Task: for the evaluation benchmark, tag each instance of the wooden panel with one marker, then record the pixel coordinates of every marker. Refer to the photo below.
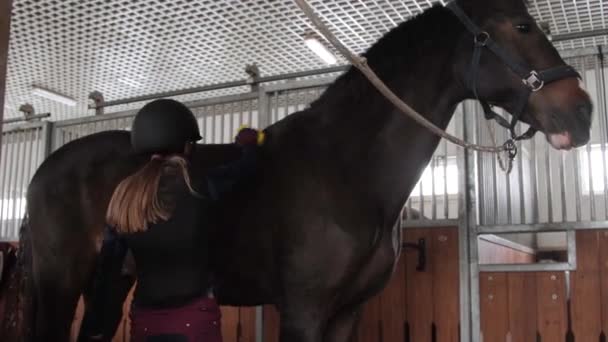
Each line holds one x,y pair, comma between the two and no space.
419,286
585,294
230,319
369,324
271,324
247,325
603,270
494,253
392,301
493,301
522,314
551,305
445,284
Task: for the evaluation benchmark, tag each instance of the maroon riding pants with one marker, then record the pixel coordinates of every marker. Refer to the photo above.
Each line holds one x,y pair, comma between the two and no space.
197,321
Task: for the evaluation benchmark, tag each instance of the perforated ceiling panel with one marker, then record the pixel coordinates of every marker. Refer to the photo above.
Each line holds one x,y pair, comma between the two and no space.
130,48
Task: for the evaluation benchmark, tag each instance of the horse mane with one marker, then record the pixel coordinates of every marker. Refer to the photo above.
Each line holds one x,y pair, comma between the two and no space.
420,38
405,45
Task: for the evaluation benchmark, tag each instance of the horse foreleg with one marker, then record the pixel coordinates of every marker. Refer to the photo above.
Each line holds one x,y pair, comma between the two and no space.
341,327
105,298
301,323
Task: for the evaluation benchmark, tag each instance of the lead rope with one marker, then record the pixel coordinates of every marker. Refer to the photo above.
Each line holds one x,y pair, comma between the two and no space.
361,64
510,155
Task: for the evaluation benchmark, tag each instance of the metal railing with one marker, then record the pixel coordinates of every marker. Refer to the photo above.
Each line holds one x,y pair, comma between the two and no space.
545,185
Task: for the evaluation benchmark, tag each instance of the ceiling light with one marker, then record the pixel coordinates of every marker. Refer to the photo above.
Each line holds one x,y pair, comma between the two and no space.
318,48
53,96
130,82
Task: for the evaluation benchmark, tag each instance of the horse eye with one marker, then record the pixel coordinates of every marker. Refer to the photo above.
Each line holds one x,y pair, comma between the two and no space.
523,28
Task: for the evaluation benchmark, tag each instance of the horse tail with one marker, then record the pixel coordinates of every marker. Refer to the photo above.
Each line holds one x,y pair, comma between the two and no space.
19,292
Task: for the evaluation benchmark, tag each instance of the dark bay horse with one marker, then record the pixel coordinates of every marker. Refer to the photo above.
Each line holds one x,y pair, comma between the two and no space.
315,231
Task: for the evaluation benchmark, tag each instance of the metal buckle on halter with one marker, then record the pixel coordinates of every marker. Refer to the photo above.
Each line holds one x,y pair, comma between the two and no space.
533,82
510,148
482,38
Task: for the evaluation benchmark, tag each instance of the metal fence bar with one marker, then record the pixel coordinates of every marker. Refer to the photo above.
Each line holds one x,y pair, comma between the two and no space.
11,180
446,202
494,187
433,202
548,183
535,183
562,179
6,144
34,138
467,241
577,189
508,194
520,183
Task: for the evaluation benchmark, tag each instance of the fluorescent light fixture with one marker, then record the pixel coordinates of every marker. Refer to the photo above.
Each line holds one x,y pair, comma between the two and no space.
130,82
318,48
53,96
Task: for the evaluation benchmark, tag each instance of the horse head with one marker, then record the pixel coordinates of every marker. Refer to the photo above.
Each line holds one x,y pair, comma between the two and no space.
507,60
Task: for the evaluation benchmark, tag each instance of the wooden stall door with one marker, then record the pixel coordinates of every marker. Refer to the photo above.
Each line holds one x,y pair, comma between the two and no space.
585,288
537,305
493,303
415,305
522,306
603,270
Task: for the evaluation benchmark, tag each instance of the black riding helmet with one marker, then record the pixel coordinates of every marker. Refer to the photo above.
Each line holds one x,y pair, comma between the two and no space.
163,126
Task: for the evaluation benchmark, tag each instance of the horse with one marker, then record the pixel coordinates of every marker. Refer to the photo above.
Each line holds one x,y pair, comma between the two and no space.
314,232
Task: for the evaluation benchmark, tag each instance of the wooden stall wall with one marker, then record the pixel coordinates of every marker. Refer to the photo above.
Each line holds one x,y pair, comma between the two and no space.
415,306
537,306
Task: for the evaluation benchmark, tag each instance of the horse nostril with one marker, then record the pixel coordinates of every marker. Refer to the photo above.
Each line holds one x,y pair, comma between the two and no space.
584,111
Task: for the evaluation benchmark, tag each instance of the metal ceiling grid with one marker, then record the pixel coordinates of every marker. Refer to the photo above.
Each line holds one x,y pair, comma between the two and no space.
130,48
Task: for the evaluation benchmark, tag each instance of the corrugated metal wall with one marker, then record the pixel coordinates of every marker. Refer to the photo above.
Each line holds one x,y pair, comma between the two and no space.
23,149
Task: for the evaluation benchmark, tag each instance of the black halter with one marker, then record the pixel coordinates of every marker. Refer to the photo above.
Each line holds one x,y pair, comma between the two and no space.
532,80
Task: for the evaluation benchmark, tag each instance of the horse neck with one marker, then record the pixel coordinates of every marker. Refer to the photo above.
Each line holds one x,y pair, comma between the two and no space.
382,153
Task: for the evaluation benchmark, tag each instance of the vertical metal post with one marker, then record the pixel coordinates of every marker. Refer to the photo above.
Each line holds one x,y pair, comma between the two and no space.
577,186
446,201
496,217
9,181
481,180
467,238
48,140
549,183
433,202
534,185
4,191
259,323
16,181
520,182
264,119
562,179
222,119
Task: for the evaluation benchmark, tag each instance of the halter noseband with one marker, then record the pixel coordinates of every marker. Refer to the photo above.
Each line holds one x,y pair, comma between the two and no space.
532,80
